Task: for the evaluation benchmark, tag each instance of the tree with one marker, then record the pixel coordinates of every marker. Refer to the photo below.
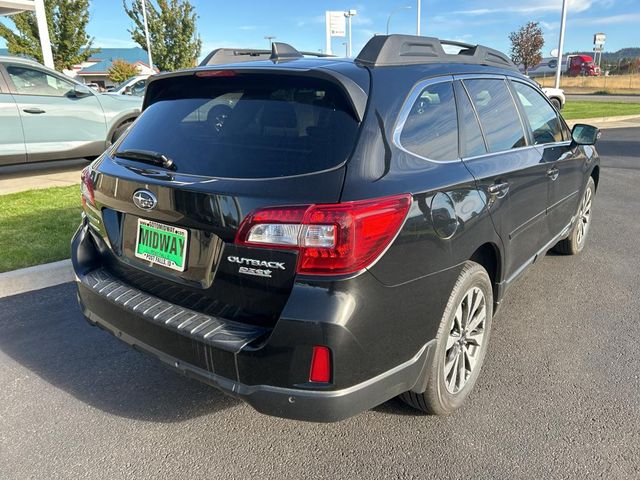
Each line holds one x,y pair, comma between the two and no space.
67,21
526,45
172,31
121,70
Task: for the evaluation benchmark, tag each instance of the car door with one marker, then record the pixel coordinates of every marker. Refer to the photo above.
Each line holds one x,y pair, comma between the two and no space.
496,151
57,123
564,162
12,149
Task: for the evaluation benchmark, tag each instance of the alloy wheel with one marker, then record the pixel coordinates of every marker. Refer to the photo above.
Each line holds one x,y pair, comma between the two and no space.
584,216
465,340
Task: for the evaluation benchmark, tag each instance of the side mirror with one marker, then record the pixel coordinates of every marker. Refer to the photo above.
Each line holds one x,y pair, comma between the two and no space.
585,134
81,91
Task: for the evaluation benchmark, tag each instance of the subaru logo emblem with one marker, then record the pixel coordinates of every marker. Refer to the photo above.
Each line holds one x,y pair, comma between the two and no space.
144,199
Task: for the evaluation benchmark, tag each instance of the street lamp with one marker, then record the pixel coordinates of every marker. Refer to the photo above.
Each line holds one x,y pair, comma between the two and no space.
405,7
270,39
418,12
563,22
349,14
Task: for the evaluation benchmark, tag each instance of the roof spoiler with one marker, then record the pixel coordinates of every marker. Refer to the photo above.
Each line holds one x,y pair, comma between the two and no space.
279,52
396,50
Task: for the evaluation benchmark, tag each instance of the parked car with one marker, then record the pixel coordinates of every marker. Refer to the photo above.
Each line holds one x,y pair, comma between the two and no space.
556,97
132,86
343,235
45,115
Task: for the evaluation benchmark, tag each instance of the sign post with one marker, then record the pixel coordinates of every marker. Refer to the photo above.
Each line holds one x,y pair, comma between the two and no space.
598,46
335,26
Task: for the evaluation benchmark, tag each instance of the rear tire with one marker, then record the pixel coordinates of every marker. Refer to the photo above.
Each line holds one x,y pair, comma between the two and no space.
461,344
120,130
574,243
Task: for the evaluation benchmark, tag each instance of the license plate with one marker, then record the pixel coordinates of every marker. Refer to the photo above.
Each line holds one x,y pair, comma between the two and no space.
162,244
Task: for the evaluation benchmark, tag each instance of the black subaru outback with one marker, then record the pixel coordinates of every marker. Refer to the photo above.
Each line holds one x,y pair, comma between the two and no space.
316,236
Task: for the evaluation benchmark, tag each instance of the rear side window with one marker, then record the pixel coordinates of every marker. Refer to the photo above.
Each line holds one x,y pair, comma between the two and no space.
542,117
498,114
248,126
431,128
471,141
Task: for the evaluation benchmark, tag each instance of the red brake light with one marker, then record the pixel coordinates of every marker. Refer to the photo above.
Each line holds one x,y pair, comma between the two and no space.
331,239
320,365
216,73
86,187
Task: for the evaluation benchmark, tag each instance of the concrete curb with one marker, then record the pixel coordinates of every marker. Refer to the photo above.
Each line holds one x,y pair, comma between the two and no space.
596,120
35,278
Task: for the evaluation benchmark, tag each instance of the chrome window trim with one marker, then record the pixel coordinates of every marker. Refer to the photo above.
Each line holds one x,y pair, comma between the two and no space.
406,109
419,86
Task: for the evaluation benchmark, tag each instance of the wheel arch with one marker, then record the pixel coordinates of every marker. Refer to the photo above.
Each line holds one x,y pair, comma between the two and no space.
129,117
489,256
595,174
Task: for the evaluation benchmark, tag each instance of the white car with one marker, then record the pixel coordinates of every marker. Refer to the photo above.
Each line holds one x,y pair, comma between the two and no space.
131,86
556,96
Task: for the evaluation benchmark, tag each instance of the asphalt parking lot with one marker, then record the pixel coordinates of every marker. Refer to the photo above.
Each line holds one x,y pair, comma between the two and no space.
559,395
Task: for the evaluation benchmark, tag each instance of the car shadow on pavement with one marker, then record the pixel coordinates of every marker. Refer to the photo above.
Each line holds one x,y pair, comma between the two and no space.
45,332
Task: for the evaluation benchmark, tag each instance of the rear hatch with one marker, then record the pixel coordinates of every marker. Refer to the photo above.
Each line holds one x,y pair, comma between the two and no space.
165,204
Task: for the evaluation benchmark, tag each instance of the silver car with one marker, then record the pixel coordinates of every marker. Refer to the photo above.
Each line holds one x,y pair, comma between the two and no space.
45,115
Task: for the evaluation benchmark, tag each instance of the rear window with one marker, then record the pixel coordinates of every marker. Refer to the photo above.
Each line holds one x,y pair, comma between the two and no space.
248,126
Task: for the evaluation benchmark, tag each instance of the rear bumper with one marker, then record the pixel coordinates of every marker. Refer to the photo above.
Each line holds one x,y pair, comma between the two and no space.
257,365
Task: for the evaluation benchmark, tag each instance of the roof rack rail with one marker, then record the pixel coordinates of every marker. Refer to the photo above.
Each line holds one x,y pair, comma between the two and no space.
279,52
395,50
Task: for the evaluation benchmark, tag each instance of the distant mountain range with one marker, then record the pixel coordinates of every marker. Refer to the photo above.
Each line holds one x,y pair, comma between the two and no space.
613,57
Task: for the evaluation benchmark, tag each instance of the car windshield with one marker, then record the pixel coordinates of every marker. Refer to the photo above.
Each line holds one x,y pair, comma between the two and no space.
248,126
122,84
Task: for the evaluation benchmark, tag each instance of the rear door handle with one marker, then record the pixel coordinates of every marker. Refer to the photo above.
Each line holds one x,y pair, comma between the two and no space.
35,110
498,190
553,173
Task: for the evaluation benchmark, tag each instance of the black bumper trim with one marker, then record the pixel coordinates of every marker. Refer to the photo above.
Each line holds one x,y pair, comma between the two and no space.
297,404
222,334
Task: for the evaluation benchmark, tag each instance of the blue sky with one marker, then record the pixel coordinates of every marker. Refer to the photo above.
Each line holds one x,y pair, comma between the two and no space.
244,23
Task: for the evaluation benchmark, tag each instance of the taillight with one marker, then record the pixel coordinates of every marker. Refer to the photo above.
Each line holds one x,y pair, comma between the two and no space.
331,239
86,187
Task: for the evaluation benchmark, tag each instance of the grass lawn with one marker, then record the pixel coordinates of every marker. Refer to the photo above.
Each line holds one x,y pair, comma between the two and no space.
573,110
36,226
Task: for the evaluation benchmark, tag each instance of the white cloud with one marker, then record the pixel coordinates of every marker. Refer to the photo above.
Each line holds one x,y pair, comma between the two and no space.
542,6
247,27
610,20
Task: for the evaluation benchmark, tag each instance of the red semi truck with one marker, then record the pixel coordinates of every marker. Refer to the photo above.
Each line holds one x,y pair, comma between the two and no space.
574,65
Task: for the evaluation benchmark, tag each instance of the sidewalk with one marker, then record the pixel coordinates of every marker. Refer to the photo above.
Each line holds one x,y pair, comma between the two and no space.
17,178
623,121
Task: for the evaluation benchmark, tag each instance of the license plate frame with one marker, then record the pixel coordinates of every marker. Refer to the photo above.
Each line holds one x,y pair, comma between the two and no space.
159,256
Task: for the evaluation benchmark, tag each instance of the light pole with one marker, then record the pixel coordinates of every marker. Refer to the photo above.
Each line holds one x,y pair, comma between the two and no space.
270,39
146,31
418,18
563,23
405,7
349,14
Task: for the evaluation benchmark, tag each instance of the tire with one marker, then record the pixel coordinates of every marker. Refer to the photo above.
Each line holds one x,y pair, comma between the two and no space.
556,103
445,393
574,243
120,130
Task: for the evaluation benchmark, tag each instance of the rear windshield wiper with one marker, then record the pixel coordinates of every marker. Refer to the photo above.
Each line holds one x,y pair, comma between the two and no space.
147,156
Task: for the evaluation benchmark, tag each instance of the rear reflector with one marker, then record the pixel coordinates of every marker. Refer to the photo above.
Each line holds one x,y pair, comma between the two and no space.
331,239
320,365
